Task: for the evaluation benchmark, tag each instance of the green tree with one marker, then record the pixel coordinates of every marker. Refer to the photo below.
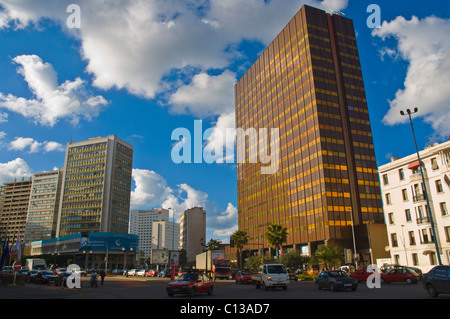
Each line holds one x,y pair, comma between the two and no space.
254,262
213,244
327,255
239,238
276,235
294,260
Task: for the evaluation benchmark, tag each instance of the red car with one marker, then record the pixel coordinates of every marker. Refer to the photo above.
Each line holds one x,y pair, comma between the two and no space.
400,275
361,275
243,277
151,273
190,284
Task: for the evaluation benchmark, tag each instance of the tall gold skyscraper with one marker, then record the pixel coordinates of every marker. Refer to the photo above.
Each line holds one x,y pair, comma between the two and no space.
308,83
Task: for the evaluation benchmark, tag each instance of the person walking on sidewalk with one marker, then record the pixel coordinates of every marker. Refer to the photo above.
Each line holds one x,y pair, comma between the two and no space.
102,276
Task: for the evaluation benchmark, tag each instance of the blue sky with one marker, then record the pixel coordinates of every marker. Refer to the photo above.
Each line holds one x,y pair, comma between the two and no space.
141,69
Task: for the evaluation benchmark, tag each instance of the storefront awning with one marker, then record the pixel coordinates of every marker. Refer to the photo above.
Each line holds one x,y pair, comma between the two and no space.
414,165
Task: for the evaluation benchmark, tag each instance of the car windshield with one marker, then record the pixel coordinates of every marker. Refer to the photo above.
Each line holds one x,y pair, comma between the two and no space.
244,273
223,263
337,274
276,269
188,277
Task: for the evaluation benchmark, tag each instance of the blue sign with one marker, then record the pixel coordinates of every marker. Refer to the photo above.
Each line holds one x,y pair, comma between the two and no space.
116,242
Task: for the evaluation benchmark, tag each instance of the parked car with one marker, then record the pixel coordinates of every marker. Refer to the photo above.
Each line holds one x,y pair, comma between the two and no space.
132,272
31,275
8,269
243,277
400,275
437,281
190,284
46,277
140,273
151,273
335,280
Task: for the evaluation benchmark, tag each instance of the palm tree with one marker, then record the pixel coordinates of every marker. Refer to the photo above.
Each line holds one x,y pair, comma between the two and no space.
239,238
276,235
327,255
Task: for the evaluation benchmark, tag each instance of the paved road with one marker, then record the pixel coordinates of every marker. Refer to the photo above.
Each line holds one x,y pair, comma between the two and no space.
152,288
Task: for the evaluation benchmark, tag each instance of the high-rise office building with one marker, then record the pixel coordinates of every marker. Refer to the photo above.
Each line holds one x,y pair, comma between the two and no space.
96,186
43,206
141,224
14,199
193,231
308,84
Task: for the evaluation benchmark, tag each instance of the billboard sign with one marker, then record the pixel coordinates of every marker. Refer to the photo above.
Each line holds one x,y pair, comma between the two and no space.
109,241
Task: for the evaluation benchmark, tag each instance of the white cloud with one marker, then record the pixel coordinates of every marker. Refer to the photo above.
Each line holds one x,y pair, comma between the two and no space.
15,169
425,45
134,45
151,191
52,102
3,117
22,143
221,142
206,95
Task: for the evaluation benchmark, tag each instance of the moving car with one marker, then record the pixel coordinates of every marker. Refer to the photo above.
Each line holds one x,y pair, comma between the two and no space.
362,274
273,275
437,281
335,280
243,277
190,284
400,275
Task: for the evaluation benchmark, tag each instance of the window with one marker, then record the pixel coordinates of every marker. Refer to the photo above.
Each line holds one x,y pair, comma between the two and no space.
415,259
405,195
388,199
443,206
408,215
434,164
439,188
447,233
385,179
391,218
401,174
412,239
394,240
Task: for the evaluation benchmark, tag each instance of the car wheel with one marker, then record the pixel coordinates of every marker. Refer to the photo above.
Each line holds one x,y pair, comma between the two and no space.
210,291
408,281
265,287
432,291
318,286
192,292
332,287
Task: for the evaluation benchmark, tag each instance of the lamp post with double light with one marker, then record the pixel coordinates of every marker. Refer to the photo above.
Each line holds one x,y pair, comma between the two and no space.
433,228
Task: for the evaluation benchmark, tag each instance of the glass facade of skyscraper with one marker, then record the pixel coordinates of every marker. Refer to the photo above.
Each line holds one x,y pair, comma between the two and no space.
308,83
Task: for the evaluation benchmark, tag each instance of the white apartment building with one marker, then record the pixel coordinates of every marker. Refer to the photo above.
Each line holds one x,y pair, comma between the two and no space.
166,235
141,224
43,206
411,240
193,231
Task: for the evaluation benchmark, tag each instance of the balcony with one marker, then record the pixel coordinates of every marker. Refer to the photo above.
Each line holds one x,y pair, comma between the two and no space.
423,220
417,176
419,198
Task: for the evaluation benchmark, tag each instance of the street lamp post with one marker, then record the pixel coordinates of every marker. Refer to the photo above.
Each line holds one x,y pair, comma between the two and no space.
433,228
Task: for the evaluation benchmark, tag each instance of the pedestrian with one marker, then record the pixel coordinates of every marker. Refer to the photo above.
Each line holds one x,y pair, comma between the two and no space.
102,276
